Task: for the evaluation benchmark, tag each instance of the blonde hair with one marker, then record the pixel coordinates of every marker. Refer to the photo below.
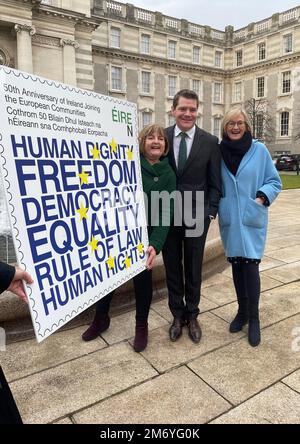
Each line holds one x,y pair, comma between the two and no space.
148,131
229,116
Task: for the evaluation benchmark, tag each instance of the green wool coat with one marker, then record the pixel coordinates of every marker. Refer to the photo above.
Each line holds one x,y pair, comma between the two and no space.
158,177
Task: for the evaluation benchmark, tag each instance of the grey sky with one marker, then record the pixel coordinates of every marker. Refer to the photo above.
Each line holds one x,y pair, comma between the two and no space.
217,13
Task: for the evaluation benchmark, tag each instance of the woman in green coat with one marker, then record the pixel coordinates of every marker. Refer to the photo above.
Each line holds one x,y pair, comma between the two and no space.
157,176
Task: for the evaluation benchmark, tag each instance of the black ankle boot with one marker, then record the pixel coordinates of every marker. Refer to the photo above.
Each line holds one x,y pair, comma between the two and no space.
254,332
254,327
141,336
99,325
239,321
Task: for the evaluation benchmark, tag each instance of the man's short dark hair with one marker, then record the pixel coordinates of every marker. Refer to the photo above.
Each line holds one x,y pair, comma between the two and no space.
187,94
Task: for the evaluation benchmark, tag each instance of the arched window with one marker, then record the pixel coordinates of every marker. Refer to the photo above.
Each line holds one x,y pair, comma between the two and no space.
2,58
5,58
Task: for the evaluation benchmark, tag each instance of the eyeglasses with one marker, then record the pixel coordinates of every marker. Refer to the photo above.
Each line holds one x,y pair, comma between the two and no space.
232,124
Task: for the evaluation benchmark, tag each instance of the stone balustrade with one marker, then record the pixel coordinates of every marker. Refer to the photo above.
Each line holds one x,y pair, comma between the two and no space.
130,13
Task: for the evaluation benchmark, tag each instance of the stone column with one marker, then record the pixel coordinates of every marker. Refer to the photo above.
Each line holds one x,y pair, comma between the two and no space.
184,27
275,21
98,8
158,19
227,93
24,47
69,62
130,12
229,33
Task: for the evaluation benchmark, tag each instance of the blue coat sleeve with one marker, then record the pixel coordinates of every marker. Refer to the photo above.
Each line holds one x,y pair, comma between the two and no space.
272,183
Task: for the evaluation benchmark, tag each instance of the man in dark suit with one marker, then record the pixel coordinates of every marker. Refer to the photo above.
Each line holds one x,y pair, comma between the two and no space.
11,279
195,157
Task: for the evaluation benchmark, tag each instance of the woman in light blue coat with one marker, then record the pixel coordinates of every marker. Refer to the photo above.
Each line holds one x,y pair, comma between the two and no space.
250,185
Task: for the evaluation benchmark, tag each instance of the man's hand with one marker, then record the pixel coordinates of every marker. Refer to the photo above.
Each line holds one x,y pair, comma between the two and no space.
16,286
151,257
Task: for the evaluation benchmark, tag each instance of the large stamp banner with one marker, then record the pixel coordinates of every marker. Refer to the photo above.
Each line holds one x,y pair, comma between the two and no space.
71,174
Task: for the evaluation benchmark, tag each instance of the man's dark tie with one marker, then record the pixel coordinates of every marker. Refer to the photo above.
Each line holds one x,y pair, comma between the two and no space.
182,153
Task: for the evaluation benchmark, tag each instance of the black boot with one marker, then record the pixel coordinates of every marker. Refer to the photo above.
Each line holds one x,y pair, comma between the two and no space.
254,332
99,325
254,327
141,336
241,317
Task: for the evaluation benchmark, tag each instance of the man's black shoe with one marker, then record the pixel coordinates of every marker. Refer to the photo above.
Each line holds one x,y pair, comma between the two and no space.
175,330
195,332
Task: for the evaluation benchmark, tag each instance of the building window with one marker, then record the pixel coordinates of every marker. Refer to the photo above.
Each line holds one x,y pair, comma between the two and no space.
116,78
217,126
146,118
287,43
145,44
171,120
146,82
259,126
284,123
115,37
218,59
196,54
172,49
238,92
172,85
196,87
260,86
286,82
262,51
239,58
2,58
5,58
217,92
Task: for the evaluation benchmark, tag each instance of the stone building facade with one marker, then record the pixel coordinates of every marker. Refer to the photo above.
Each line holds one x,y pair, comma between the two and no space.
145,57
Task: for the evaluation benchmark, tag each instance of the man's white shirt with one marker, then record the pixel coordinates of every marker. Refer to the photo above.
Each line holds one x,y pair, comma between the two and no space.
177,139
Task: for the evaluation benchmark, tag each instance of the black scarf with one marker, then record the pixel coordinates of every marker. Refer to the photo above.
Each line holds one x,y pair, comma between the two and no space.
233,151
